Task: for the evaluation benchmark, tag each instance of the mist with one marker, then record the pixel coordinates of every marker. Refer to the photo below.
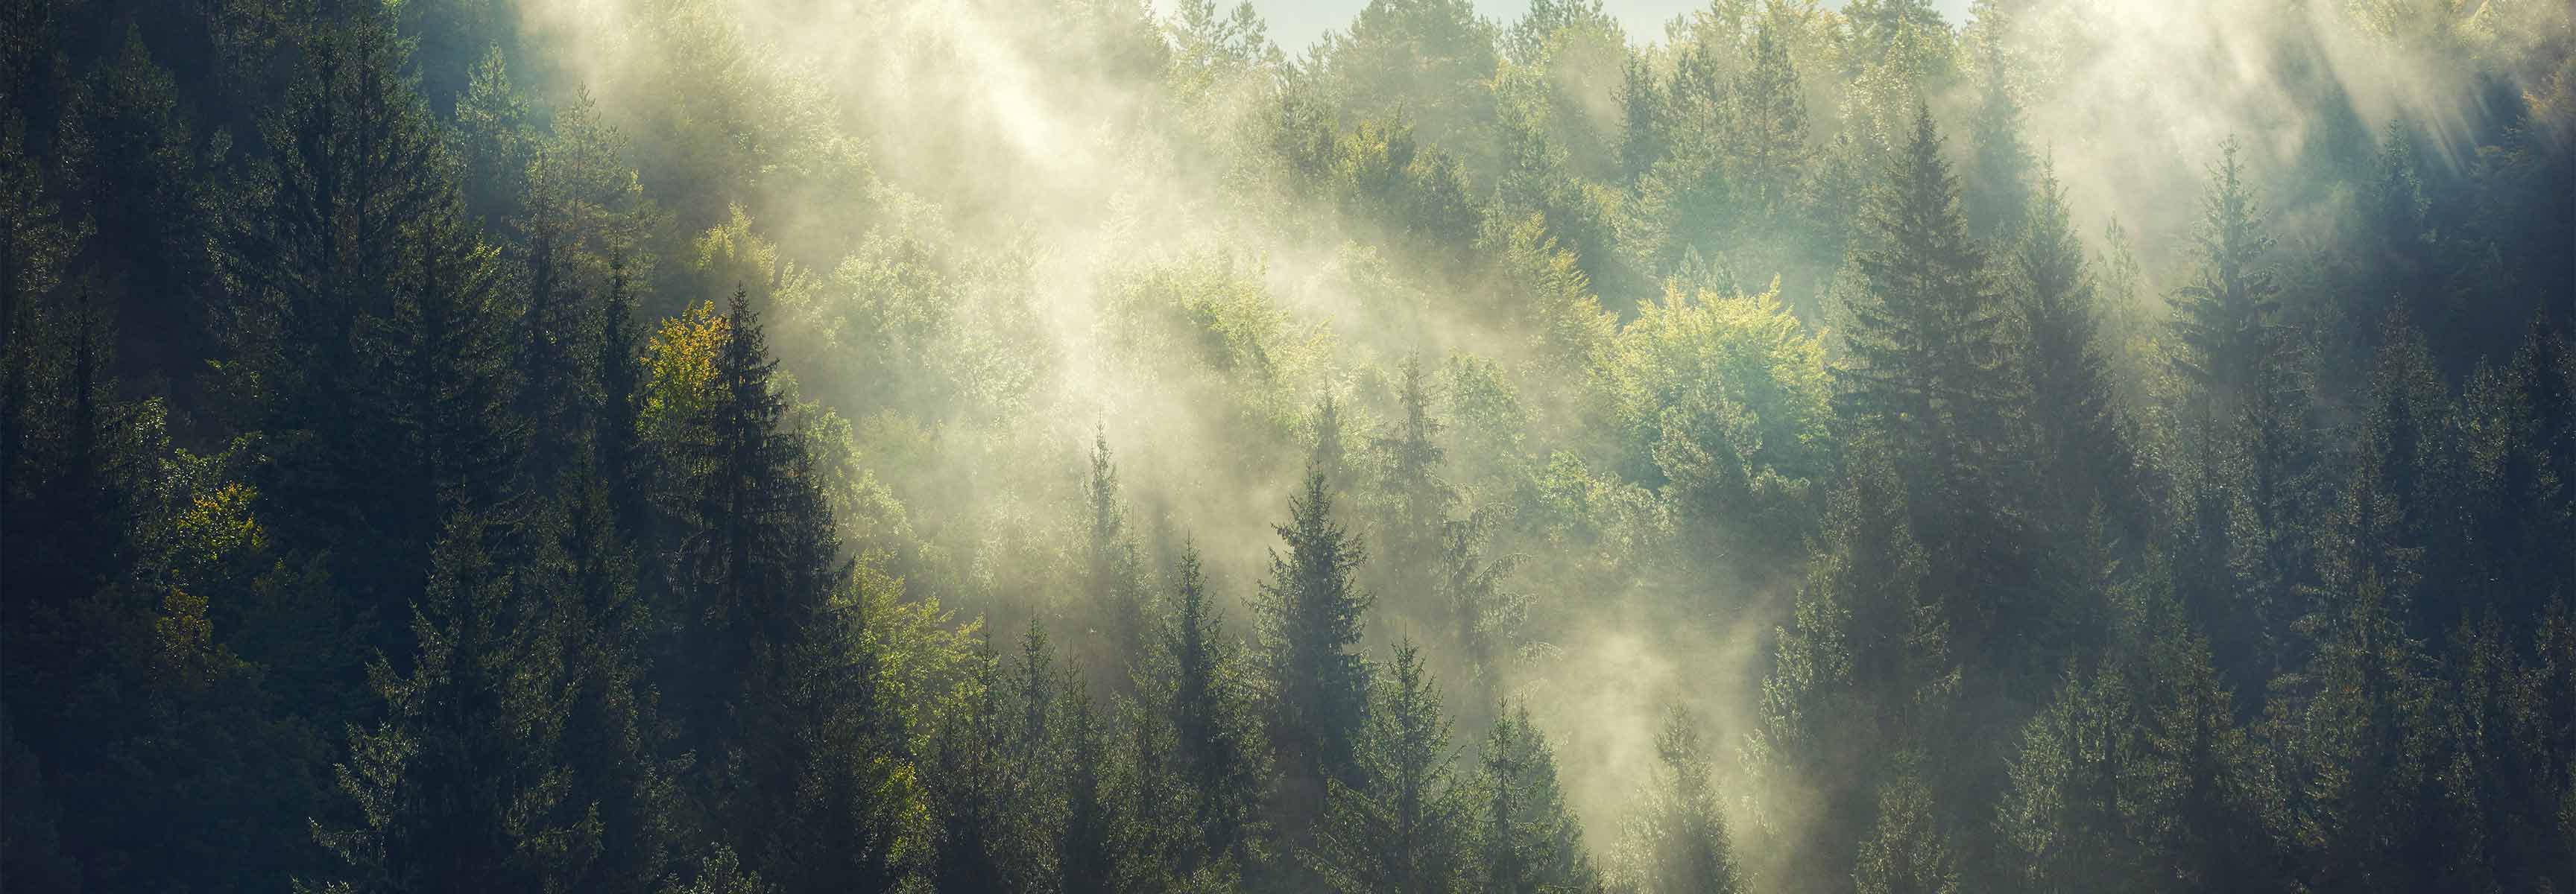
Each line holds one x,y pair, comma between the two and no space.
1873,446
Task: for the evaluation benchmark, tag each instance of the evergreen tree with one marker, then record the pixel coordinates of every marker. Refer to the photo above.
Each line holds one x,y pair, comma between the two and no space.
1528,843
2223,319
1908,852
2078,440
1413,458
1087,848
460,786
1998,193
366,330
969,779
1310,618
612,736
1678,842
1113,575
1215,735
1401,828
1928,373
1641,125
131,168
1771,111
492,144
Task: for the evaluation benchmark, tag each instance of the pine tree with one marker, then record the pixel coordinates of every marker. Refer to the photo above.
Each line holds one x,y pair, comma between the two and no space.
1928,373
2078,440
366,331
1641,126
2224,318
1215,750
460,787
1413,481
619,456
2357,746
1401,828
611,735
1998,194
1087,848
1310,619
2202,807
1677,843
1528,843
130,167
1113,575
969,784
769,674
1863,670
1771,112
2066,820
492,144
1325,456
1482,616
2398,275
1908,852
441,355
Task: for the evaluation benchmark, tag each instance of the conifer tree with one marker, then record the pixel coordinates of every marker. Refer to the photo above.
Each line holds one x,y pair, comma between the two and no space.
130,167
1908,852
1087,847
1113,575
612,736
968,770
2067,819
1413,479
1771,112
1641,125
2079,446
1929,374
2224,317
460,786
1998,192
1678,841
492,144
1310,619
362,328
1215,737
1401,828
1527,841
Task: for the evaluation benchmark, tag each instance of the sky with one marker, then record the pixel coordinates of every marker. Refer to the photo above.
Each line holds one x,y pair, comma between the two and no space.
1296,24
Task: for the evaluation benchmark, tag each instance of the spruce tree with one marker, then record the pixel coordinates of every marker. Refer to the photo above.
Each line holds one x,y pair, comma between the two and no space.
1215,735
460,787
1771,113
359,327
1310,619
1677,843
2223,318
2078,443
1402,828
1113,576
1928,373
1998,193
1528,843
1908,852
1641,125
1087,847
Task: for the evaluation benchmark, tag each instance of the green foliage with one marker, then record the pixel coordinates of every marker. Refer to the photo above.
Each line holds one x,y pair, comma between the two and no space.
1725,403
1311,614
1676,840
385,505
1528,842
1402,826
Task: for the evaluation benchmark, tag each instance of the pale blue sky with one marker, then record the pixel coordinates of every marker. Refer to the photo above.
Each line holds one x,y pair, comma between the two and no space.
1296,24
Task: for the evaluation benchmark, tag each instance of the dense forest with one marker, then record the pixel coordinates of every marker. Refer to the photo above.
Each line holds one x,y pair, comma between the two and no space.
728,446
